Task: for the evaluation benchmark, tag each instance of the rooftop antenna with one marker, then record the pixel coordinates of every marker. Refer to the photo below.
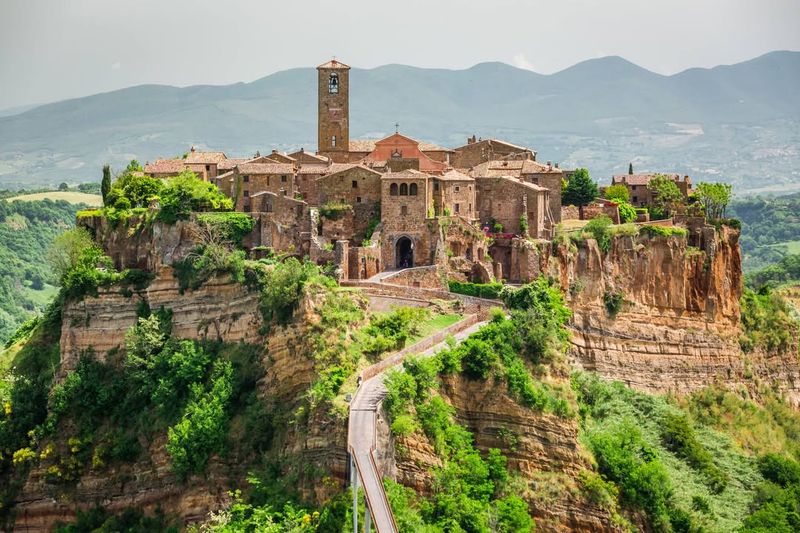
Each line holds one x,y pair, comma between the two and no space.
396,127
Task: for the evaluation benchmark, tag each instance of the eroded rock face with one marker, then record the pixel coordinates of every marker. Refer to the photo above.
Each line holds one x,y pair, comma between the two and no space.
543,448
219,310
678,326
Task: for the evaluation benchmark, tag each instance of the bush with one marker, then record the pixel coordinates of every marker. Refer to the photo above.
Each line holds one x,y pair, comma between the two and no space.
282,287
390,331
335,210
207,261
627,213
679,437
133,190
186,193
231,227
767,321
480,290
613,302
598,228
662,231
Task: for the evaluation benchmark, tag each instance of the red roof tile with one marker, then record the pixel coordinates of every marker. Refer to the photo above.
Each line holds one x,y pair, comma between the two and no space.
165,166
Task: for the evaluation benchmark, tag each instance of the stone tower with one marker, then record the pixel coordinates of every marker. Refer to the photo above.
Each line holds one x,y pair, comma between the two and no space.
333,88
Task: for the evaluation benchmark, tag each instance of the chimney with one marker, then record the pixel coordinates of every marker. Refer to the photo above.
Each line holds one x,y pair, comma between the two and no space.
192,150
549,165
274,151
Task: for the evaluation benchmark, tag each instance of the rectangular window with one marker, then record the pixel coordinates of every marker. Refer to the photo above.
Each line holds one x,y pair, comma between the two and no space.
470,209
435,186
333,141
403,210
247,207
208,167
457,208
246,179
283,179
458,188
354,184
246,194
358,199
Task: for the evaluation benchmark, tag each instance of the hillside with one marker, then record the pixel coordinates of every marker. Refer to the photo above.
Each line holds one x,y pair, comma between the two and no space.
27,228
738,123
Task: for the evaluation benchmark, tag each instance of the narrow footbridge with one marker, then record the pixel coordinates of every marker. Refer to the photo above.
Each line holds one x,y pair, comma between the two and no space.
361,434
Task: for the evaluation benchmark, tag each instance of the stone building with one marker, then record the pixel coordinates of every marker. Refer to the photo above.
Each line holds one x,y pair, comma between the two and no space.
508,201
400,153
404,209
333,114
204,164
251,178
640,195
478,151
165,168
453,193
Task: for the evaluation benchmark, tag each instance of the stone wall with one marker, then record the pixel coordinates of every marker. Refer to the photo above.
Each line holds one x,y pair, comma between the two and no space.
365,261
352,186
426,277
506,199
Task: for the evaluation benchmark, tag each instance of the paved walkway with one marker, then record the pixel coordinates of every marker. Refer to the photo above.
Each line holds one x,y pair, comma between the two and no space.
361,438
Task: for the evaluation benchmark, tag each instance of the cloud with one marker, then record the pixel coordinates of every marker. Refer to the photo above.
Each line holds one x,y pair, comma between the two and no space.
520,61
116,66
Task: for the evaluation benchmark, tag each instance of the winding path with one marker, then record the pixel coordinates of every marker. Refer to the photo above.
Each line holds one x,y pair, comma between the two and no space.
361,434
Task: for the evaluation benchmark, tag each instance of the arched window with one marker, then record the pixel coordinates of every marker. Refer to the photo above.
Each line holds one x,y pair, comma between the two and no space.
403,189
333,84
412,190
393,189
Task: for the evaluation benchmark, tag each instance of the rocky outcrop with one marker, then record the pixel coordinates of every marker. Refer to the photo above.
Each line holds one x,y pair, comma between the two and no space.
543,448
219,310
677,327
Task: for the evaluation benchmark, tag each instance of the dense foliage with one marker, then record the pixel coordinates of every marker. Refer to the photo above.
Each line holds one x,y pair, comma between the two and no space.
767,321
580,190
770,228
481,290
784,271
27,230
186,193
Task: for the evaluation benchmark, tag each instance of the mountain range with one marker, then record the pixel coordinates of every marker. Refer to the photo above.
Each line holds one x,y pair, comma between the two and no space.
737,123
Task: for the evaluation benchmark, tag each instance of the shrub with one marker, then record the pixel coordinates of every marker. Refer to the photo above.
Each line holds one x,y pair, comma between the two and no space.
231,227
186,193
480,290
207,261
627,213
282,287
133,190
767,321
613,302
679,437
335,210
598,228
617,193
779,470
663,231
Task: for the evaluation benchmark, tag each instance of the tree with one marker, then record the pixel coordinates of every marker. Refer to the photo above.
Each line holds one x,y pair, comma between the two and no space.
666,195
105,185
617,193
580,190
715,198
63,187
133,166
67,250
630,169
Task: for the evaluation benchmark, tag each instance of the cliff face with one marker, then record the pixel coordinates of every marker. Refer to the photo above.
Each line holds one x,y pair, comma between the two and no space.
219,310
543,448
677,329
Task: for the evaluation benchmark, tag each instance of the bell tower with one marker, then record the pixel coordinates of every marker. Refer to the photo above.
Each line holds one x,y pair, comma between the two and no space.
333,115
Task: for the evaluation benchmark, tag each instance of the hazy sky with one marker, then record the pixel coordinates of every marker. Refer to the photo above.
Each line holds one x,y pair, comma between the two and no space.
57,49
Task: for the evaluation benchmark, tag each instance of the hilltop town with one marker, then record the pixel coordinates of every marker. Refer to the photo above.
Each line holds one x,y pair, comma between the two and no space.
373,206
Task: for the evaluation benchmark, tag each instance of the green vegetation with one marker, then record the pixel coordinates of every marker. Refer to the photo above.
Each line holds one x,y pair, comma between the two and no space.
72,197
130,520
598,228
390,331
786,270
776,507
767,321
335,210
768,226
617,193
580,190
480,290
663,231
666,196
27,230
627,213
662,460
613,302
715,198
186,193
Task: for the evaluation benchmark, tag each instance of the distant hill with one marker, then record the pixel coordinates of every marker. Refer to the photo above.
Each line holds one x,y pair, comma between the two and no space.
738,123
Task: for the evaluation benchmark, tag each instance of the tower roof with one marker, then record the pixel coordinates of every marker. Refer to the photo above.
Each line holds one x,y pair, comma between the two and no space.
333,63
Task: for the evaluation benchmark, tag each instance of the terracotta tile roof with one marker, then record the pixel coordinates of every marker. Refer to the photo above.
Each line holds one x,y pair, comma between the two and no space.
406,174
534,167
430,147
638,179
344,167
224,175
229,164
333,63
165,166
526,184
265,168
495,141
361,145
205,158
454,175
303,156
313,169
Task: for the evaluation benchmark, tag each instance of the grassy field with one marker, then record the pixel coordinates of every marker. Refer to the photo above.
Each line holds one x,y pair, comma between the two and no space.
792,247
70,196
436,323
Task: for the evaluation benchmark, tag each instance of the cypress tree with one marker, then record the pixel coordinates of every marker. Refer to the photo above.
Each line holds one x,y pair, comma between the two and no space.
105,185
630,169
